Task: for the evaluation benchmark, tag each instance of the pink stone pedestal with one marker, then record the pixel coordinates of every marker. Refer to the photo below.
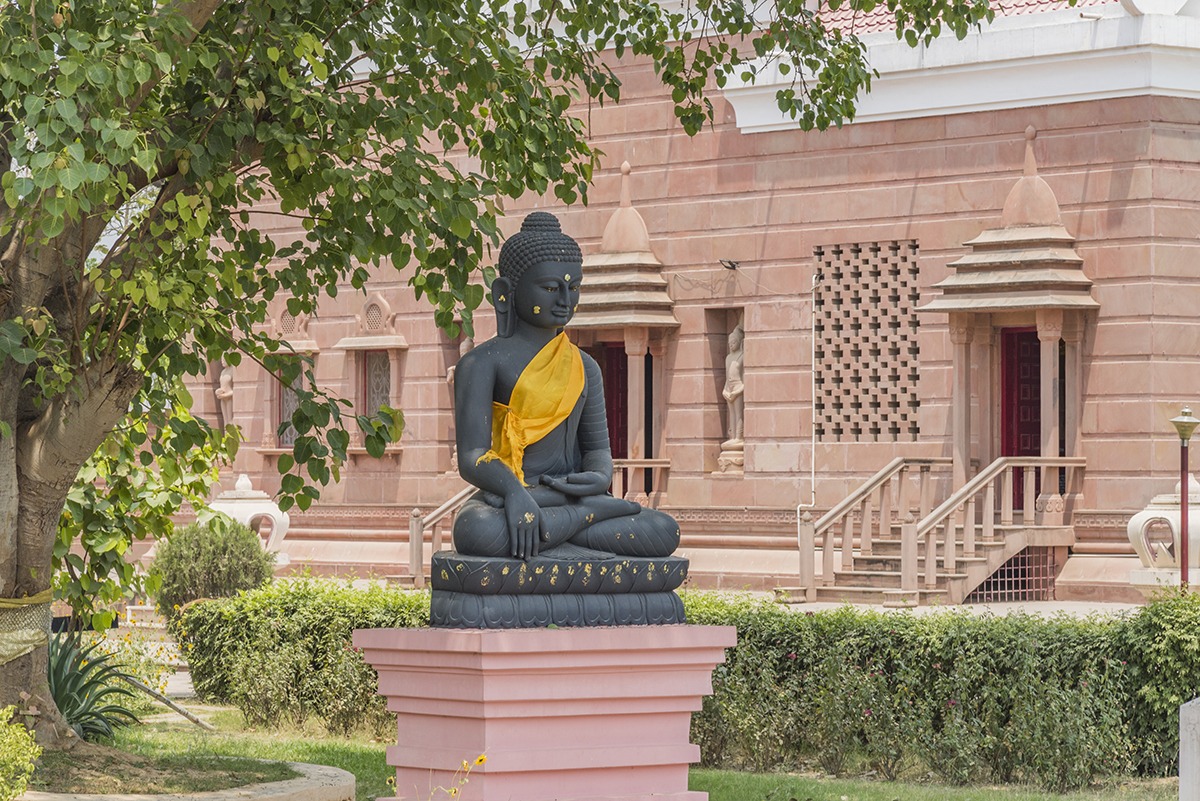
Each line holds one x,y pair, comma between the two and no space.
572,714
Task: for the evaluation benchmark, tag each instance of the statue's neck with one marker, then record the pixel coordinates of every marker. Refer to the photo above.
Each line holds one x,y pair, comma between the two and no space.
533,336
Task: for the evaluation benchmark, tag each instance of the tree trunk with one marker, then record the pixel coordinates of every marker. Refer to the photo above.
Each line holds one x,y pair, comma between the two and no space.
38,465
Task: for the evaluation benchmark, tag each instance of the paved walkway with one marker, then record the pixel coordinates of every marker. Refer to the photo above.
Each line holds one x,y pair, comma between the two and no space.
1040,608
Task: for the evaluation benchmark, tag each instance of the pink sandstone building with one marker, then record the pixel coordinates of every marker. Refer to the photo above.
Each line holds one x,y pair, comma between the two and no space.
957,326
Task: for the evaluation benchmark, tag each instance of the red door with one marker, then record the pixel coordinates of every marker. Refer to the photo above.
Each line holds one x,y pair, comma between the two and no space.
1021,404
615,370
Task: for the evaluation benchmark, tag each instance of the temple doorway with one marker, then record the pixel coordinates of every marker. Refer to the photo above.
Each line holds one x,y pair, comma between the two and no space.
614,369
1020,399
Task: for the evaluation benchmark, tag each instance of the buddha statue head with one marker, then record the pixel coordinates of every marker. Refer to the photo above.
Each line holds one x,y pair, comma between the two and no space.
540,272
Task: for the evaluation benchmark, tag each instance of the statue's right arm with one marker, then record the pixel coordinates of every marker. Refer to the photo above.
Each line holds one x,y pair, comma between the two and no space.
474,387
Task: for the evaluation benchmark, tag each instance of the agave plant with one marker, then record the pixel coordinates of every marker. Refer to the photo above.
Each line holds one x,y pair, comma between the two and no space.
82,681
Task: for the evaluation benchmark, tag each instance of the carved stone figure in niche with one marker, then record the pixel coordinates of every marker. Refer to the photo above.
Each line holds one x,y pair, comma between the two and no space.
543,541
224,393
733,449
735,387
465,346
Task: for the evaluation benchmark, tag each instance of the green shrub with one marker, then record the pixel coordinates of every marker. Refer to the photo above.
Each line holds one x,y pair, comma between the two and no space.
284,652
213,560
889,690
347,694
837,706
1162,647
18,752
1066,735
84,682
269,680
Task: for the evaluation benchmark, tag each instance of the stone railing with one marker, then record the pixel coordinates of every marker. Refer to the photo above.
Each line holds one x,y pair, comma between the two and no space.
972,509
629,480
436,523
901,479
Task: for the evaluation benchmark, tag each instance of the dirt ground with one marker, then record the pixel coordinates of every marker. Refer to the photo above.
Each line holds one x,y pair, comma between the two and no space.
93,768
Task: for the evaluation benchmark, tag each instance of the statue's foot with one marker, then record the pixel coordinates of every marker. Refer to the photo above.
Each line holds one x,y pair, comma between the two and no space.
569,550
563,523
648,533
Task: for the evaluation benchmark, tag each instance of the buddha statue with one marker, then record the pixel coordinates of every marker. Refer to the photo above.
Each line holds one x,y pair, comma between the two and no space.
532,436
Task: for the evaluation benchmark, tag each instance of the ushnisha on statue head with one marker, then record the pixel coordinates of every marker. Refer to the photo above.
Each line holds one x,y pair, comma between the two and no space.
540,273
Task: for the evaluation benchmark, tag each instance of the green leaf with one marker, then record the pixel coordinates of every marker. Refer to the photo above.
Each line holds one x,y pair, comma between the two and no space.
375,446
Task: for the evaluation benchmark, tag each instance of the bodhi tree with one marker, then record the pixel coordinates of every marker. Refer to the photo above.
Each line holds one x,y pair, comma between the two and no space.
136,136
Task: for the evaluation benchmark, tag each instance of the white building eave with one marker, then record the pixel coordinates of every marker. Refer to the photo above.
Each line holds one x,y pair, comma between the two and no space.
1016,62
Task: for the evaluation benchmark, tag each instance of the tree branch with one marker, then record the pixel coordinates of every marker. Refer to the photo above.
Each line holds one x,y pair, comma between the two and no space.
197,13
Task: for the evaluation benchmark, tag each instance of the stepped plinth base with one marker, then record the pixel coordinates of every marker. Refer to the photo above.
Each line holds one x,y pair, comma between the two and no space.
584,714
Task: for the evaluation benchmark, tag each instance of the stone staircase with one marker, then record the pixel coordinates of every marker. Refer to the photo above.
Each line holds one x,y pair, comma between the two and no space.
887,544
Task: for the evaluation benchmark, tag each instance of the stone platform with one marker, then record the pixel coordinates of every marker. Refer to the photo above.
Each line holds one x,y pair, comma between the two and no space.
577,714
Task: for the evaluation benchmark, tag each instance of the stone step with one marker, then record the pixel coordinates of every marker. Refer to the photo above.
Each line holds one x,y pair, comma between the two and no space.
874,595
891,564
882,579
888,547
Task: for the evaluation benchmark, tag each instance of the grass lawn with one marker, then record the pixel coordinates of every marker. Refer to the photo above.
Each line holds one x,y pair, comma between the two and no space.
725,785
184,744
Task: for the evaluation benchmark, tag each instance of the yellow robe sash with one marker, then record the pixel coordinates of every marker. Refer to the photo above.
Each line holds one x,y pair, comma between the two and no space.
545,393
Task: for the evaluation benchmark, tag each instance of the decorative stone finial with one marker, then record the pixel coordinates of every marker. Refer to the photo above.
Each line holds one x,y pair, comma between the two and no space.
626,230
1031,202
1030,161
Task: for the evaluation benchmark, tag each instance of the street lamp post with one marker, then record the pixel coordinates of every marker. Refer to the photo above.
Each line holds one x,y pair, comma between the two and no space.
1185,424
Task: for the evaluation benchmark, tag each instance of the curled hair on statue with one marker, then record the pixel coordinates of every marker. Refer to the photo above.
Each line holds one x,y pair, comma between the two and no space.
540,240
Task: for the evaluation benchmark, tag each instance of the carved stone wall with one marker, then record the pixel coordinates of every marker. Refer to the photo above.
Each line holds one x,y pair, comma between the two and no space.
865,325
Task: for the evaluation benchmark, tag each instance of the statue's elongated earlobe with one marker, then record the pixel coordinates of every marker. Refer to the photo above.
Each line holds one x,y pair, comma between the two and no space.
502,299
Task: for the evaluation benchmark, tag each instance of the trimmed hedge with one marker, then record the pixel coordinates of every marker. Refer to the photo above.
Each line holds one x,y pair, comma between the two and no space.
971,698
1056,702
994,697
284,651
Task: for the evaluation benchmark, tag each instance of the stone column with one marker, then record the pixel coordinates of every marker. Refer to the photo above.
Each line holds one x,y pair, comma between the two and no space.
1072,343
961,330
1072,335
658,350
1049,331
394,377
358,368
658,395
271,394
637,341
984,350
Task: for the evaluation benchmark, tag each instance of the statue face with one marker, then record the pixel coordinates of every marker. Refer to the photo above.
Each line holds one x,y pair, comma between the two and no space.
548,294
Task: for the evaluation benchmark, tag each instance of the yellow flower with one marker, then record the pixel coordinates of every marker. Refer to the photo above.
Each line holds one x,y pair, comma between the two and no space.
465,766
454,792
482,758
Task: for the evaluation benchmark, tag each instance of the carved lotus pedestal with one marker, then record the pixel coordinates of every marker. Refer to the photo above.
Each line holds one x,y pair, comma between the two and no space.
571,714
